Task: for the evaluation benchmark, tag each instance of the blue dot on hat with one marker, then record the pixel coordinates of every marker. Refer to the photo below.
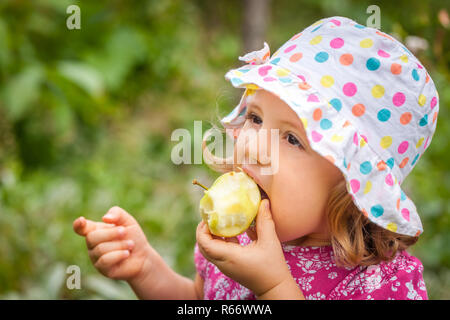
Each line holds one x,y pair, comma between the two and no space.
383,115
415,75
336,103
376,210
365,167
373,64
236,81
325,124
322,56
317,28
275,61
415,159
423,121
390,162
359,26
402,195
285,80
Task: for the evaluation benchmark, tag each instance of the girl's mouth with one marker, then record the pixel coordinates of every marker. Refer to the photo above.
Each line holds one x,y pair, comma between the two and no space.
263,193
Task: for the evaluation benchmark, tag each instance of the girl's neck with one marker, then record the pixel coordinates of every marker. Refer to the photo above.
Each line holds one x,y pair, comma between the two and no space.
312,240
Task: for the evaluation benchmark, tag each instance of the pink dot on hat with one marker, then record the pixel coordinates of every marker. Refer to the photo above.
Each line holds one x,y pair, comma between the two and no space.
433,102
354,184
398,99
349,89
389,180
290,48
383,54
336,43
403,147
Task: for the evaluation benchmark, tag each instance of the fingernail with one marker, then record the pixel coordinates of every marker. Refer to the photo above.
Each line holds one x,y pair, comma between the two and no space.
127,253
130,244
121,231
108,216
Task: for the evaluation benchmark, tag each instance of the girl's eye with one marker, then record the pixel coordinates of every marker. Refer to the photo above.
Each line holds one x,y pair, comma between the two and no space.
293,140
254,118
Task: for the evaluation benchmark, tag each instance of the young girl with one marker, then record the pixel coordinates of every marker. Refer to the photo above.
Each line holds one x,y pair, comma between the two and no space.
355,111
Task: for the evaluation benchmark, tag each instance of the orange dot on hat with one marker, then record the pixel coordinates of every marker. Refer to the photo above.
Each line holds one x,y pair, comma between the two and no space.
358,109
405,118
296,56
403,163
396,68
346,59
317,114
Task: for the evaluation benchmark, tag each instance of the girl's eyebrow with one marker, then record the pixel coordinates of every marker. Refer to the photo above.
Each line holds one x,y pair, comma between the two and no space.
254,105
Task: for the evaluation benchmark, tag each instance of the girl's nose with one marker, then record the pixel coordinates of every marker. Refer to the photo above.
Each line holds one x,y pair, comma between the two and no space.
254,146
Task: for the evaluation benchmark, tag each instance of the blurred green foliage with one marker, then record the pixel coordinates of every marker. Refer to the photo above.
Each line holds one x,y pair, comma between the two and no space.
86,118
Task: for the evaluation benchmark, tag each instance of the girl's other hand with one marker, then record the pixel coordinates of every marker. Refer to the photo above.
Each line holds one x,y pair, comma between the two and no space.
117,247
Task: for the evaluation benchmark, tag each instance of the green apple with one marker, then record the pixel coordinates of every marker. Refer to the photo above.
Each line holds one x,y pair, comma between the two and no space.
230,205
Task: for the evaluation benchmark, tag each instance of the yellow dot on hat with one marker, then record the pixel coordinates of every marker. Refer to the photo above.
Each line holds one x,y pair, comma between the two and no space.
404,58
336,138
422,100
419,143
386,142
368,187
366,43
304,121
391,226
315,40
327,81
377,91
282,72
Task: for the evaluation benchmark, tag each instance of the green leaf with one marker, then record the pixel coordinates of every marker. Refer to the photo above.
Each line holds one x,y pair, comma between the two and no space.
22,90
83,75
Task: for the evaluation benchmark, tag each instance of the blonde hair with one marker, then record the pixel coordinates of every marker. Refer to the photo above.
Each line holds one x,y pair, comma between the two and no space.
356,241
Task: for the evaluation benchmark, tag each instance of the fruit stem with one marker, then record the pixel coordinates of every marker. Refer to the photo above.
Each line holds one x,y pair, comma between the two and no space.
199,184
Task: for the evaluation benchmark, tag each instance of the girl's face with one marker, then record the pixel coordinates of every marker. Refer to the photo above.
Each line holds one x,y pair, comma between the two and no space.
299,189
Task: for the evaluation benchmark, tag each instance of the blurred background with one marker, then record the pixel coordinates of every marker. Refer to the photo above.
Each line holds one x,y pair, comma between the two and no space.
86,118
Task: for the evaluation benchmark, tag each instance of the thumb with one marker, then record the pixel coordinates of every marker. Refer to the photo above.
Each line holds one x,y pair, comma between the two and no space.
265,227
119,217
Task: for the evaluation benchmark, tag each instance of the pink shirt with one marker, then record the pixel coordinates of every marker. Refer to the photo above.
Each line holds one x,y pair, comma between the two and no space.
317,275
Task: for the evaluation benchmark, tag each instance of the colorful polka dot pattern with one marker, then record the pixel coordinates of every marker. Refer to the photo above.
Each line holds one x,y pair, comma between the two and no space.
367,105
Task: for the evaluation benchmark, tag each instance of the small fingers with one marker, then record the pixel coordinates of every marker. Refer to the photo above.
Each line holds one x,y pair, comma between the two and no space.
119,216
211,247
109,259
105,247
83,226
102,235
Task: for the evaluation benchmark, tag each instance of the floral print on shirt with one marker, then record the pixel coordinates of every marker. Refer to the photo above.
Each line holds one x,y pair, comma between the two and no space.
317,275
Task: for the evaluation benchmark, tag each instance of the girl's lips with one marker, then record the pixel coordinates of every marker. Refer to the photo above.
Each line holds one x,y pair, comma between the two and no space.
261,190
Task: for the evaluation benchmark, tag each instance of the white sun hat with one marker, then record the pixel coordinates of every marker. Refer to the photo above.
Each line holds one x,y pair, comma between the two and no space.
367,105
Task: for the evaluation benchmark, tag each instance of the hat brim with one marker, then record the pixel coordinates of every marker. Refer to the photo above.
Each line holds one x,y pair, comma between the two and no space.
369,179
